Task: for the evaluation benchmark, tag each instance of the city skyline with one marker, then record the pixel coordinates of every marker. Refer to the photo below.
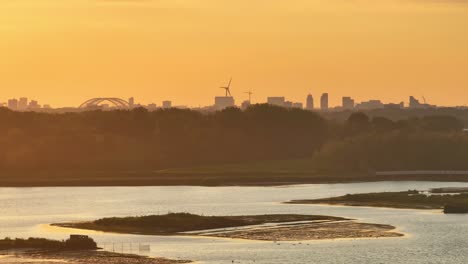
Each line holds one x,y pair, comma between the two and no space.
259,96
221,102
238,94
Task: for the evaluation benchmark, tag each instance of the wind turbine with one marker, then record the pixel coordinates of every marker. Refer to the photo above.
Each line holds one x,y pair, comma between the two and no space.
250,95
227,88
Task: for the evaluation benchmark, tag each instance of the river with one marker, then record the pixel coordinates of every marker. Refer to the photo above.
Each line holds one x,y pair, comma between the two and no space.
430,236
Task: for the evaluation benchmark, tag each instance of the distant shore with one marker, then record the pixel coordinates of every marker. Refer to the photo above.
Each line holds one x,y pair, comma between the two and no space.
450,203
251,227
196,178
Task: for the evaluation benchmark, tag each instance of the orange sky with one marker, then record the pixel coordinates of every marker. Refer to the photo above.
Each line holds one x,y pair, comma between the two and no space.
65,51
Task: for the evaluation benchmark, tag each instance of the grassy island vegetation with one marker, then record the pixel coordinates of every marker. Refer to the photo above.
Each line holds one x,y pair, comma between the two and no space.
175,223
279,228
262,145
412,199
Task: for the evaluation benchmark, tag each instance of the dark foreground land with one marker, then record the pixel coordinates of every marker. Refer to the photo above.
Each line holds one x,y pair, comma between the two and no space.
450,203
76,250
80,257
281,227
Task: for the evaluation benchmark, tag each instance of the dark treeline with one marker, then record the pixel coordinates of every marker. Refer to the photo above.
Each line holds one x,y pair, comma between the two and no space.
139,139
397,114
428,143
143,140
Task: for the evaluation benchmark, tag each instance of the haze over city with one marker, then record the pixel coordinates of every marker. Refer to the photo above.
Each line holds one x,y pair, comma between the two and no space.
64,52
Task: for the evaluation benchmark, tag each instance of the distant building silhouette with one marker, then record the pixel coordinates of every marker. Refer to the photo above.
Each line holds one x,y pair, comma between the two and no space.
222,102
34,105
166,104
371,104
298,105
131,102
152,107
414,103
13,104
23,104
348,102
394,106
245,104
288,104
310,102
279,101
324,101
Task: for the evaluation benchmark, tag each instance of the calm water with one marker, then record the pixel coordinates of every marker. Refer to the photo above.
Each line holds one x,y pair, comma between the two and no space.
432,237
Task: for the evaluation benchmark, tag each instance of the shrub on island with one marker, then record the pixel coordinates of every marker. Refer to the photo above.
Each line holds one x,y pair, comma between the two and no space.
75,242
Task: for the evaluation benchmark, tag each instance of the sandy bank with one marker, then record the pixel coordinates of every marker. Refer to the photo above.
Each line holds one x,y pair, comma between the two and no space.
309,231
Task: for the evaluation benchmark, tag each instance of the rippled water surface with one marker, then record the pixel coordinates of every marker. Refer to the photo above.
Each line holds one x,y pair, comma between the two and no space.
431,237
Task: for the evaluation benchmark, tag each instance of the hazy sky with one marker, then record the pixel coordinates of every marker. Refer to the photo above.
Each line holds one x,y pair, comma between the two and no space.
65,51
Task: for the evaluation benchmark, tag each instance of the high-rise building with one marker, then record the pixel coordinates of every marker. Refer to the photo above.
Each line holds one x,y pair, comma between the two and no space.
324,101
131,102
23,103
222,102
278,101
13,104
310,102
348,102
166,104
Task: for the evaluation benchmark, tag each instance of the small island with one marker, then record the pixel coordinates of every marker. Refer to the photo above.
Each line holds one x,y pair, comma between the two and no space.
411,199
278,227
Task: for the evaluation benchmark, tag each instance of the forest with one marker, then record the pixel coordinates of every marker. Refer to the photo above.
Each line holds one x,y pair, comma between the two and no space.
139,139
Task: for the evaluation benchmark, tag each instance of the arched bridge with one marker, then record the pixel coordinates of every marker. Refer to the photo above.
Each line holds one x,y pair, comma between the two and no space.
117,102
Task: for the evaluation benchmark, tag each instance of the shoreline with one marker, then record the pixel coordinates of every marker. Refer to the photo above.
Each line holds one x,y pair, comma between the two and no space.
250,179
